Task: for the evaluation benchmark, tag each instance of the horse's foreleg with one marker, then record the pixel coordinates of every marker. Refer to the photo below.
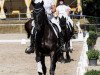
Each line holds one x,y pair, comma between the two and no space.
71,46
53,63
39,64
43,65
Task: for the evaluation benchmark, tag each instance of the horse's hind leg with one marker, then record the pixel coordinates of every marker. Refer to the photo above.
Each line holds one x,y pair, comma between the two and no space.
53,63
68,56
67,52
71,46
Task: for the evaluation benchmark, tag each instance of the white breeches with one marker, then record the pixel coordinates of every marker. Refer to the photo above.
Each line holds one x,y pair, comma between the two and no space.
56,21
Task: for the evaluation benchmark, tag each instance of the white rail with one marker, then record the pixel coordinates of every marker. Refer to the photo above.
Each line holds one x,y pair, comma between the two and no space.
22,41
12,24
83,62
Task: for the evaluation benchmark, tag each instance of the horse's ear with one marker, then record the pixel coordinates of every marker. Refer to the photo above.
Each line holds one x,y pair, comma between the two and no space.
63,17
59,18
42,3
33,3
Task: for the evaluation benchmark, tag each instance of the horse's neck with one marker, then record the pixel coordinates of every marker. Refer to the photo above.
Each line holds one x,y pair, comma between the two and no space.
49,31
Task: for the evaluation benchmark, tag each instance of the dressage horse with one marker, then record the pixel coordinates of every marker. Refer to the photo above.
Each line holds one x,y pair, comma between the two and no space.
68,31
46,42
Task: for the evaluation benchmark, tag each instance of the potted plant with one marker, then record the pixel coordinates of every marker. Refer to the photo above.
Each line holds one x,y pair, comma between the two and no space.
92,72
92,28
91,41
93,55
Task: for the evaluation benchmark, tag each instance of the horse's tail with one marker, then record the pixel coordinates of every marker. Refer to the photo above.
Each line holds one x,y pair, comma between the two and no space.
28,28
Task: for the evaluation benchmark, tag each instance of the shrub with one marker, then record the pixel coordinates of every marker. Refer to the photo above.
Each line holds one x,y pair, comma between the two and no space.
92,72
91,41
92,35
92,28
93,54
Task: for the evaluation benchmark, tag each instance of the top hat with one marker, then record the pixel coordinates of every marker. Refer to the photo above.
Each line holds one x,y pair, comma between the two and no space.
60,0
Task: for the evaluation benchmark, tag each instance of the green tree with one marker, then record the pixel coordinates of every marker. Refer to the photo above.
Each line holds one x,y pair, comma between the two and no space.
91,7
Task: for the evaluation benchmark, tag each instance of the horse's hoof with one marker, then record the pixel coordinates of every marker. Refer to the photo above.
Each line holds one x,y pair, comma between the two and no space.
63,61
29,51
68,60
70,51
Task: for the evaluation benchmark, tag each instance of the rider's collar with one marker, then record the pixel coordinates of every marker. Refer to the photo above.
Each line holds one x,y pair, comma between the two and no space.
38,1
61,4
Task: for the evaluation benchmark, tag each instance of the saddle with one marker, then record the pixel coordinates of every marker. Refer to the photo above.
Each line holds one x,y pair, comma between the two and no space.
53,25
56,28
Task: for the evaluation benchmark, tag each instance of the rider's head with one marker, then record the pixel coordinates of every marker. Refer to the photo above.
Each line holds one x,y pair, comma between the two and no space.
61,2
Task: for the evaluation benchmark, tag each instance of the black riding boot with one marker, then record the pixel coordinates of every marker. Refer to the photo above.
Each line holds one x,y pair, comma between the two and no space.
61,40
32,45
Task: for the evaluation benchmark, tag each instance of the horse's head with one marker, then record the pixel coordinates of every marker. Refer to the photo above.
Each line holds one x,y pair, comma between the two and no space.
62,21
38,13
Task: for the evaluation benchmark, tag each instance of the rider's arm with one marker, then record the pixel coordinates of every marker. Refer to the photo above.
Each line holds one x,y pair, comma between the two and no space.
53,8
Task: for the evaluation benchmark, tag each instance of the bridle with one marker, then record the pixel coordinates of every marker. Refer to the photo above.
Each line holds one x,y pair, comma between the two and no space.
37,12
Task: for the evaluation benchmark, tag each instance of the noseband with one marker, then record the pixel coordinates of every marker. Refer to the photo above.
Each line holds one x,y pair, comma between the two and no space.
37,11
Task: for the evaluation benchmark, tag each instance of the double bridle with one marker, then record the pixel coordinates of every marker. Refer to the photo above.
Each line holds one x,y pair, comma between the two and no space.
37,12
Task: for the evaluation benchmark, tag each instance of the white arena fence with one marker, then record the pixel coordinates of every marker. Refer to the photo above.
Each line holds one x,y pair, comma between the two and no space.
19,16
22,41
83,61
22,16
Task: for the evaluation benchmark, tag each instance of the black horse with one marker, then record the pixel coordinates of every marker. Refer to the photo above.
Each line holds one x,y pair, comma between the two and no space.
46,42
68,31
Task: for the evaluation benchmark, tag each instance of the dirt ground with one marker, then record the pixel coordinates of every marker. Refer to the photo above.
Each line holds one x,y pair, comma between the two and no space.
14,61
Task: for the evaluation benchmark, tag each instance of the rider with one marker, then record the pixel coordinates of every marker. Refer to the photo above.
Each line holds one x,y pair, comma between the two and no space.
50,8
64,10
